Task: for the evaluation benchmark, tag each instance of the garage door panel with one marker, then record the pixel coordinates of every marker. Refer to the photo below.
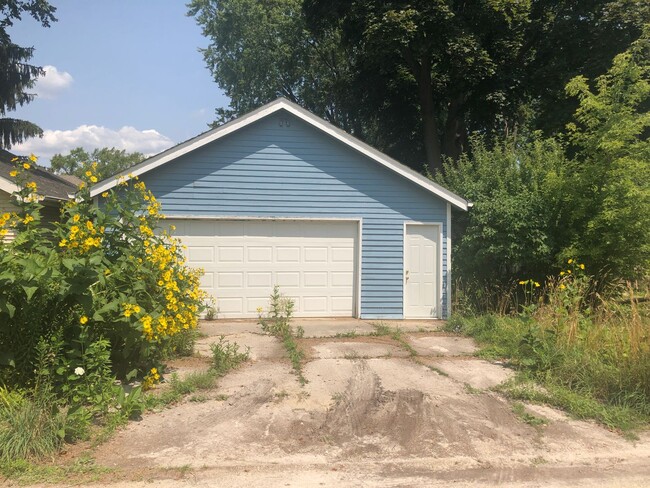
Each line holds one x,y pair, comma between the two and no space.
229,254
207,280
256,280
288,254
315,254
313,262
287,279
230,280
230,306
200,255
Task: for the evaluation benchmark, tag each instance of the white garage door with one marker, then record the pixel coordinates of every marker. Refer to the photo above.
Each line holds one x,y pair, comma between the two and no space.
313,262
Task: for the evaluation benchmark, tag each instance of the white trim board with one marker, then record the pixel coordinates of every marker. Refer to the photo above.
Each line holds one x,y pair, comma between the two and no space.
8,186
439,278
304,115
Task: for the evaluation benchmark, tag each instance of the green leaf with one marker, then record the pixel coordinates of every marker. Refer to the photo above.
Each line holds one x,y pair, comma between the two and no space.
69,263
131,374
29,291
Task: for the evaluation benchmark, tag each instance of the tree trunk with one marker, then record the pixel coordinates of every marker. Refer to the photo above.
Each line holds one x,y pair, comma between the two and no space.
455,131
429,118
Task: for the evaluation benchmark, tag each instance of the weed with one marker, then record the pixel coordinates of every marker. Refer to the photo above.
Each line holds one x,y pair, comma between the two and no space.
277,322
351,355
226,356
221,397
199,398
472,390
82,471
519,410
280,395
30,428
395,333
350,334
179,388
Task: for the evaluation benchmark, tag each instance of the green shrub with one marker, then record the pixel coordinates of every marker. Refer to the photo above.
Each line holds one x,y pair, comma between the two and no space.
104,273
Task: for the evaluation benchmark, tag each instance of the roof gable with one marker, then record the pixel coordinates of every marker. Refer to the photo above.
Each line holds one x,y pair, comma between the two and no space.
264,111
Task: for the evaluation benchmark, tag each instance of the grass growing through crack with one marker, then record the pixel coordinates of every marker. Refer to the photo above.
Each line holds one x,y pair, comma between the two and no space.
225,357
277,322
395,333
519,410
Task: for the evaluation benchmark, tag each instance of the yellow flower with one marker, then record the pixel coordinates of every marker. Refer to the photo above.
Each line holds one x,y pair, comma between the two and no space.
136,309
89,225
562,273
6,216
568,271
13,173
32,158
26,165
89,173
562,287
63,243
28,219
582,266
83,320
569,261
105,194
523,282
537,285
93,179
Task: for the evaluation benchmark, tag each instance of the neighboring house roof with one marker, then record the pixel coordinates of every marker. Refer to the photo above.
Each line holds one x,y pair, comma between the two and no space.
50,186
264,111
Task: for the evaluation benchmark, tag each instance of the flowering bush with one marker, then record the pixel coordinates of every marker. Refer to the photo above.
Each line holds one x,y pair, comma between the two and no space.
105,271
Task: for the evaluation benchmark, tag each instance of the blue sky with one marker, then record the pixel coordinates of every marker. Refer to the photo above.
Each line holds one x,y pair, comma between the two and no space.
124,73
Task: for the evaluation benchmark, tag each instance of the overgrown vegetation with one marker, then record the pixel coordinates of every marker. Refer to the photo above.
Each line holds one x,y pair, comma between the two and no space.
277,322
88,305
575,349
226,356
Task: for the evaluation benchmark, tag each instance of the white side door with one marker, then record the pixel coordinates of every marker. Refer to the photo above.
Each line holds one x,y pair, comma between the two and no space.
421,257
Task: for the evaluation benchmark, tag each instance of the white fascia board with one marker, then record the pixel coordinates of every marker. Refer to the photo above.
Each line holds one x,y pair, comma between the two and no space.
302,114
8,186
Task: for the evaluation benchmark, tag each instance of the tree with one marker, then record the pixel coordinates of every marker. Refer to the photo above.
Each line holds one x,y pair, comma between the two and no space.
610,192
261,50
511,232
109,161
16,74
480,66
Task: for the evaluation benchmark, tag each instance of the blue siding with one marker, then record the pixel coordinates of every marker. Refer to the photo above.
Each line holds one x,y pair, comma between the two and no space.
268,170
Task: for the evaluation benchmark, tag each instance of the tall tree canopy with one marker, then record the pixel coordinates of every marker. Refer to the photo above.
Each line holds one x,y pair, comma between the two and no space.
109,161
610,192
415,77
17,76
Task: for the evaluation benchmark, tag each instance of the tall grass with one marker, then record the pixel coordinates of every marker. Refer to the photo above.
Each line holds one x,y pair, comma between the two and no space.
29,428
579,344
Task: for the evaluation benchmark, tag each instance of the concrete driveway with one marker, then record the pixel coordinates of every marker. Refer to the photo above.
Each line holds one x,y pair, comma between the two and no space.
376,412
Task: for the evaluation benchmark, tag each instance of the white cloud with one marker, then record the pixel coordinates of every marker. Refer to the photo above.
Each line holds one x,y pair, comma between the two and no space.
52,82
91,137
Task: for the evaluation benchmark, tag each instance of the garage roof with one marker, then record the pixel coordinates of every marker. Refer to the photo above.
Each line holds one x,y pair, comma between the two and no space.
264,111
